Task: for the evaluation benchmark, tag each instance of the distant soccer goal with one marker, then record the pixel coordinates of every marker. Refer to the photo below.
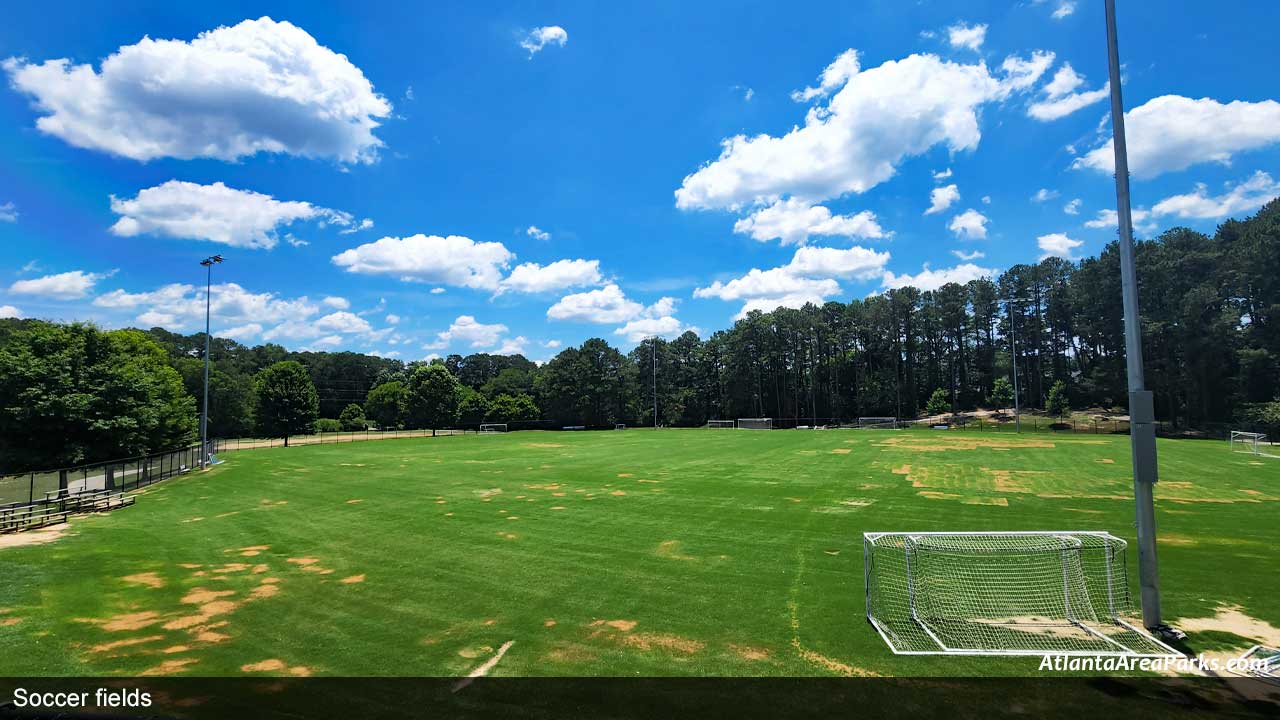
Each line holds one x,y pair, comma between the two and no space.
493,427
1246,442
720,424
755,423
620,426
878,423
1002,593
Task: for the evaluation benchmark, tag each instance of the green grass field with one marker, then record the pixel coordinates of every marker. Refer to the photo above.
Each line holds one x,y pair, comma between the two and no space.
676,552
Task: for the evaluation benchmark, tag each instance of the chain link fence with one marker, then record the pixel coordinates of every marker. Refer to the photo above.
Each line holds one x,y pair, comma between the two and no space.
128,474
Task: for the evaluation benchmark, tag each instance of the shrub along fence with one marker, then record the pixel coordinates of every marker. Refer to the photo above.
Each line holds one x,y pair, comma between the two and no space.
128,474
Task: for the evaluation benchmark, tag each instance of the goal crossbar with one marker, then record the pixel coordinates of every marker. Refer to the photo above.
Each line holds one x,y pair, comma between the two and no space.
878,423
1246,442
721,424
755,423
1003,593
493,427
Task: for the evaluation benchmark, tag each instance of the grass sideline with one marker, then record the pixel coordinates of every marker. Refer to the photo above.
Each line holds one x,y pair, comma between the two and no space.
652,553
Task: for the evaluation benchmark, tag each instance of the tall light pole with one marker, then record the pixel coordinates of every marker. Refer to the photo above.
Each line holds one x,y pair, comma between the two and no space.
1013,360
654,378
1142,434
208,264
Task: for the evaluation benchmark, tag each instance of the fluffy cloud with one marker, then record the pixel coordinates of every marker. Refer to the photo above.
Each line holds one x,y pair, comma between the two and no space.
940,175
343,322
216,213
453,260
71,285
184,305
1172,133
241,333
393,319
856,141
941,198
969,225
559,275
777,283
1143,221
1044,194
340,303
1241,199
607,305
834,76
1073,207
9,311
1057,245
969,256
467,331
961,35
641,328
260,86
1061,97
541,37
8,212
534,232
857,263
810,277
928,279
793,222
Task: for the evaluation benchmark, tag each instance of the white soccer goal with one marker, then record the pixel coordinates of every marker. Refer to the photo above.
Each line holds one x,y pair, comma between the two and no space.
493,427
755,423
1002,593
878,423
1246,442
620,426
720,424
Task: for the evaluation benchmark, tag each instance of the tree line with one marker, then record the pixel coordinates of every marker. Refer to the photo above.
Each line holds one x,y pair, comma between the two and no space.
1211,338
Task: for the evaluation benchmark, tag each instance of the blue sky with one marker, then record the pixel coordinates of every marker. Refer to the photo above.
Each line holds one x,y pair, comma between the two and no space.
415,181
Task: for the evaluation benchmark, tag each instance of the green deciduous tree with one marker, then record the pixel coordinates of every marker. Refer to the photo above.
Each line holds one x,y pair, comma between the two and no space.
72,393
1057,404
434,397
512,408
388,405
472,406
1001,393
939,403
352,418
287,403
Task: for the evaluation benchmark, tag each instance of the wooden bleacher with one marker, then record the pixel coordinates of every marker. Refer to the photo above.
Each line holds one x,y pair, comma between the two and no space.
57,506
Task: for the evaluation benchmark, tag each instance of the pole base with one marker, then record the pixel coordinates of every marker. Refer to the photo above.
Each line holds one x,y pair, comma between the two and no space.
1167,632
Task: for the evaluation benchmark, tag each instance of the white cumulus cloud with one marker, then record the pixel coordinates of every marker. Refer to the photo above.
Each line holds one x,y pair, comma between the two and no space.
539,38
1061,97
217,213
8,212
794,222
969,225
941,198
928,279
559,275
962,35
1240,199
833,77
71,285
465,330
1057,245
1171,133
9,311
606,305
537,234
454,260
260,86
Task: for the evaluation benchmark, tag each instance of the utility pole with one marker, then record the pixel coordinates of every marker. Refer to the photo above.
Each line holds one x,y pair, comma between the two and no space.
1142,435
208,264
655,382
1013,360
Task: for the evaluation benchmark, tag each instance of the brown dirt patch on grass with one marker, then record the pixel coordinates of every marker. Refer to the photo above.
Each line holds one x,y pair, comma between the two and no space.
1106,461
670,549
176,649
149,579
999,501
543,445
253,550
127,642
1232,619
33,537
353,579
558,507
265,591
549,623
10,622
354,501
949,443
618,493
664,641
200,596
625,475
623,625
1014,481
935,495
169,667
272,665
842,451
129,621
747,652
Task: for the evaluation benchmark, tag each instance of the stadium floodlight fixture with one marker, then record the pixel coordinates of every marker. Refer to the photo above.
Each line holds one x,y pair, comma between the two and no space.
208,264
1013,359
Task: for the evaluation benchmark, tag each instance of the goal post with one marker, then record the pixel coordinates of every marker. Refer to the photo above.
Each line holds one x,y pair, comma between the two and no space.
493,427
1246,442
1003,593
755,423
720,424
878,423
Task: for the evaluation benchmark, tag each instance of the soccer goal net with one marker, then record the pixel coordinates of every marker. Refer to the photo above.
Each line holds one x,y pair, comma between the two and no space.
1002,593
1246,442
720,424
878,423
755,423
620,426
493,427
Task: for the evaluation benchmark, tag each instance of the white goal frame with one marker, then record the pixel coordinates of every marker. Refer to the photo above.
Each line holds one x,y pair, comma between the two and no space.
1072,597
755,423
877,423
721,424
493,427
1250,442
619,426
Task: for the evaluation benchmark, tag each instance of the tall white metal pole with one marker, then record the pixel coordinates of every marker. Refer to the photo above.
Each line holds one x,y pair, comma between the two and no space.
1013,360
1142,434
204,416
655,382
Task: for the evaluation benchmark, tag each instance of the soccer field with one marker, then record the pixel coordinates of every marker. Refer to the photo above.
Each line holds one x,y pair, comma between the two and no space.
654,553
